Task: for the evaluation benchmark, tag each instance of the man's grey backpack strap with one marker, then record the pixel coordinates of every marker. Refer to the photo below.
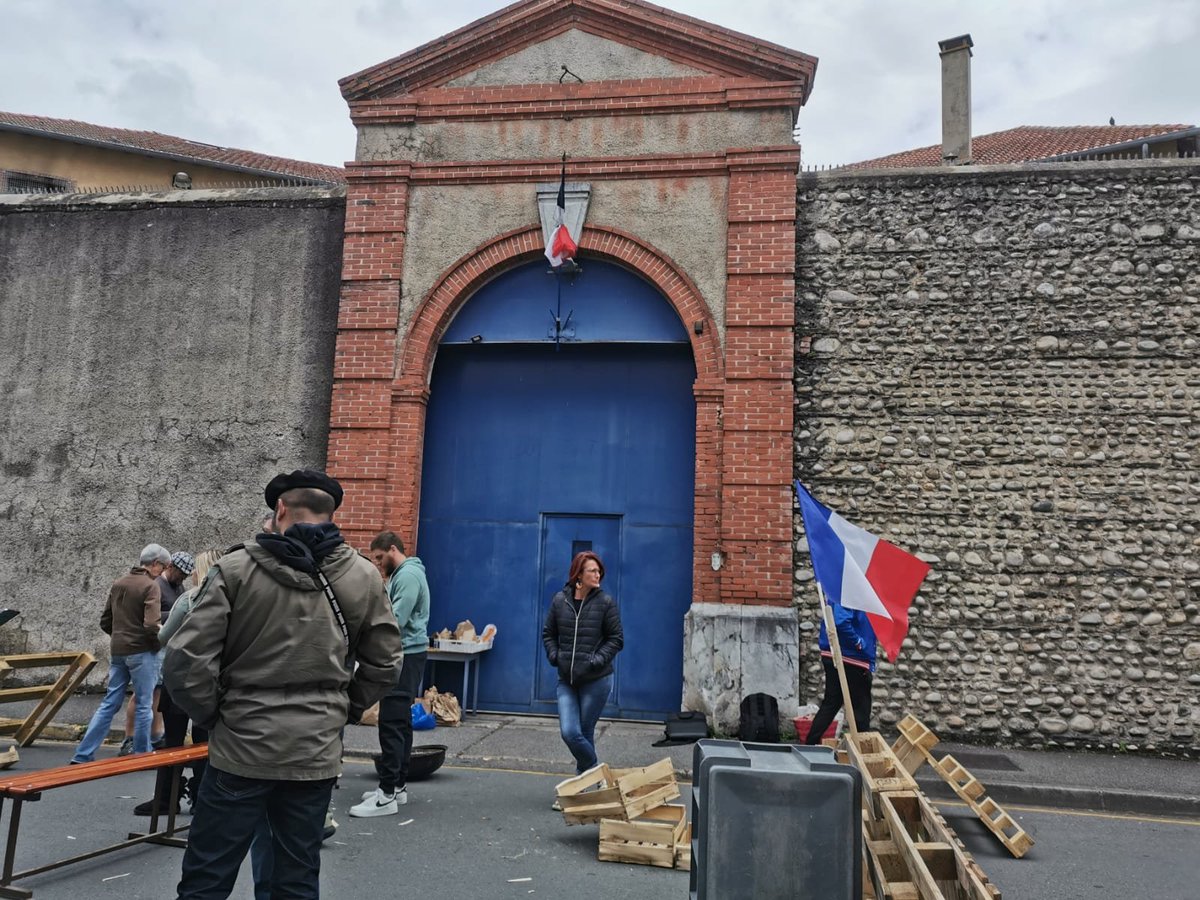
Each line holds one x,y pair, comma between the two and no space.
337,612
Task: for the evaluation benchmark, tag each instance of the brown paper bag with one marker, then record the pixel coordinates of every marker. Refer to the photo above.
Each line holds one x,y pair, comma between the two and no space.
371,716
444,707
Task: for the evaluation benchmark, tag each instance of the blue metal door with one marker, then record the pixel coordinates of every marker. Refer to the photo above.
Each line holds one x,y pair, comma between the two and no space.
563,537
551,437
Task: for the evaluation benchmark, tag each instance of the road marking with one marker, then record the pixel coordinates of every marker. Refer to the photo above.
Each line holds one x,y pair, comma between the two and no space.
1080,813
1084,814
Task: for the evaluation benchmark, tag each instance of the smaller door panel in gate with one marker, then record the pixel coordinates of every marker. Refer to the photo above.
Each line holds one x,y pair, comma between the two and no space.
562,537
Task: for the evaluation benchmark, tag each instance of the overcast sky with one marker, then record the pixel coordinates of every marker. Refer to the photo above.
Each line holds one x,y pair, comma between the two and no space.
263,75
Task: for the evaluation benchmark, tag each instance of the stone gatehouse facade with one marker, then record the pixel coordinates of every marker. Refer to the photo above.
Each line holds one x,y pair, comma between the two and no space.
993,366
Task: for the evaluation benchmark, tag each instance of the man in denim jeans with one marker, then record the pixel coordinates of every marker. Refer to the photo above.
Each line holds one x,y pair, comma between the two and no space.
132,617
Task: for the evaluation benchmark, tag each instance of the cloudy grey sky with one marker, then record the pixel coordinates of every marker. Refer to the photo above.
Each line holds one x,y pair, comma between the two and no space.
263,75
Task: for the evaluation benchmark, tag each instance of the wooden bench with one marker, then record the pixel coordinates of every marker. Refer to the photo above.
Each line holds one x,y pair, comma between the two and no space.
29,786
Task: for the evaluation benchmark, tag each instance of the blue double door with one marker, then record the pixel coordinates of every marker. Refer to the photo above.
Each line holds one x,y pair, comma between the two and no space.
536,451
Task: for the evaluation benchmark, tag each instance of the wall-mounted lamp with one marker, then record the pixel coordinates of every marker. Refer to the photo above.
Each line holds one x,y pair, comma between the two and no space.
698,326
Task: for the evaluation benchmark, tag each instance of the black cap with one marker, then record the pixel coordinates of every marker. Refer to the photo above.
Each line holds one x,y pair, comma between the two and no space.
303,478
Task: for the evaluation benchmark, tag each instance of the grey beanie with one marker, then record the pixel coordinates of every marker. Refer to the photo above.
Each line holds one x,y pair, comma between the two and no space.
154,553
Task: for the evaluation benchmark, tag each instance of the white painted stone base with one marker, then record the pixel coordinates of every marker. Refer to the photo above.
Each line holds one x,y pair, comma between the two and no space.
731,651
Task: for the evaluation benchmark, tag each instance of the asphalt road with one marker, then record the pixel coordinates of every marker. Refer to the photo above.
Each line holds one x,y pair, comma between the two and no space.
474,833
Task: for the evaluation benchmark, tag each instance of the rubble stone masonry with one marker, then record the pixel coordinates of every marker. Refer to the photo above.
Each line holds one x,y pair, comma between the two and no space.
997,367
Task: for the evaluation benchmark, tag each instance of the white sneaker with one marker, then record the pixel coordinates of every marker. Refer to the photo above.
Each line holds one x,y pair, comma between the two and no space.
401,795
376,803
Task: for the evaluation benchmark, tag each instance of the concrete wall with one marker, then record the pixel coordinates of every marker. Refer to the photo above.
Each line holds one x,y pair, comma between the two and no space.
693,132
998,367
684,218
161,357
589,56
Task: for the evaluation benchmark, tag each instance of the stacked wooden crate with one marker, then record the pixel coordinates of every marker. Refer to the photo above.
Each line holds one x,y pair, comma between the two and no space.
637,823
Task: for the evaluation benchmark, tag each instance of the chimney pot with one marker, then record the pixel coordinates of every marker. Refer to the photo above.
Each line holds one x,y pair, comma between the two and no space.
956,99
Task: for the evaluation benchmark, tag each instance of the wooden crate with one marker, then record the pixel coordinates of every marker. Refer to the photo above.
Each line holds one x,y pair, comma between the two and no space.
683,850
651,839
621,794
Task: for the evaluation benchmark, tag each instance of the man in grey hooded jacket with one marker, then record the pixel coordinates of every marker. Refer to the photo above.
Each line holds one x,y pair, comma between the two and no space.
290,638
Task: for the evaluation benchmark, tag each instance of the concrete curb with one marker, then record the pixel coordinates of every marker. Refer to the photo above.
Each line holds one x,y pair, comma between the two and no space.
1089,799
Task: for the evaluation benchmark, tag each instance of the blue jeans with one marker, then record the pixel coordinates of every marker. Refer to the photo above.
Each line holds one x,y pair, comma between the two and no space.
140,670
230,811
579,708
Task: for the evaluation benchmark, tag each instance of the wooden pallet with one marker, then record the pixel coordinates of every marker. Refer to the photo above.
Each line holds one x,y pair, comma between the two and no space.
621,794
914,743
654,838
912,748
881,771
914,854
50,697
1015,839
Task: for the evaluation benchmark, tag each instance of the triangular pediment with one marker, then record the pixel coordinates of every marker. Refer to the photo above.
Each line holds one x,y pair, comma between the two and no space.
523,39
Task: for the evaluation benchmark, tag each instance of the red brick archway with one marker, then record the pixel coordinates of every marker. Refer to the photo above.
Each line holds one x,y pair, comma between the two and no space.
744,389
410,391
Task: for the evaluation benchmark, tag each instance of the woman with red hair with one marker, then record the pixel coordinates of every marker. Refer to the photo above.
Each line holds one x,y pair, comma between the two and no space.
582,634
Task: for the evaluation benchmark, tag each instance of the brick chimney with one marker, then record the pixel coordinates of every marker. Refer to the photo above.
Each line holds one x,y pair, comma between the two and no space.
956,100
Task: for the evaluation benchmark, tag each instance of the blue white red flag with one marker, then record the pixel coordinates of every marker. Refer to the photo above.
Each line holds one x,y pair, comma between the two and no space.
860,571
561,246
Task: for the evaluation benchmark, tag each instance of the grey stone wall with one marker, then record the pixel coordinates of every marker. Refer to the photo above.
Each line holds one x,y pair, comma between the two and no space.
998,368
161,356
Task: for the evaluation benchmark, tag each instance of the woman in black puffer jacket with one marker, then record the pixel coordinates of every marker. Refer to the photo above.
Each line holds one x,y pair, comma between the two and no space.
582,634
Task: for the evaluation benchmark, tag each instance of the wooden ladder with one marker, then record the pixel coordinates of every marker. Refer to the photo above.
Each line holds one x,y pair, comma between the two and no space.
50,697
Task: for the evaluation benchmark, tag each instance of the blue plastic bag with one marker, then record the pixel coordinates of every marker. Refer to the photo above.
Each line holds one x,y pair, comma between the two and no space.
422,719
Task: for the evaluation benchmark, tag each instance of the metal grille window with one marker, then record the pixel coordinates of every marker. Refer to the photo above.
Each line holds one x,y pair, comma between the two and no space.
27,183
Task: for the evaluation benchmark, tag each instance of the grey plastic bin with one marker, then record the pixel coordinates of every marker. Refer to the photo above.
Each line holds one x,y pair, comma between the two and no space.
774,821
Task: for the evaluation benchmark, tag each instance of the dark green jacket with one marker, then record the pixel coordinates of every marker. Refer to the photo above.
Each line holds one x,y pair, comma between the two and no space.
261,662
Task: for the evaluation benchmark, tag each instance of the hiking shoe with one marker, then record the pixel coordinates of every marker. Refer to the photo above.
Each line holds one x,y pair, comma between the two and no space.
376,804
126,747
149,809
400,795
331,827
157,742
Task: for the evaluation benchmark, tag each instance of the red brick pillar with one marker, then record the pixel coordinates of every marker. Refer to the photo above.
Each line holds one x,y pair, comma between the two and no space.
756,474
364,358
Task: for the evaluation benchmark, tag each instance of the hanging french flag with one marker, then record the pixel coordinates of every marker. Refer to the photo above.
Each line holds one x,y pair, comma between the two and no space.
860,571
561,246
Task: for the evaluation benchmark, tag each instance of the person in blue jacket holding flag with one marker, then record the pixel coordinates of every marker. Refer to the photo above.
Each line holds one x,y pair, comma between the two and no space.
857,641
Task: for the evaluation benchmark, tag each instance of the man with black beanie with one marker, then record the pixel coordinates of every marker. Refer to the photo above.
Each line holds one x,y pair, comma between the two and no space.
266,660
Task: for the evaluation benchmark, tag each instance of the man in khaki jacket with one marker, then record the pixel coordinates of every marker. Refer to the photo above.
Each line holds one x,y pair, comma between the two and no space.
131,617
290,638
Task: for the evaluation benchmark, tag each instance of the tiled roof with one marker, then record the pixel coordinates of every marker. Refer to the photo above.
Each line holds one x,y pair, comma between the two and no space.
1026,143
172,147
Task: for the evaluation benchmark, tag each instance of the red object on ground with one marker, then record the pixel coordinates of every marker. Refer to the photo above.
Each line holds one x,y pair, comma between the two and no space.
803,723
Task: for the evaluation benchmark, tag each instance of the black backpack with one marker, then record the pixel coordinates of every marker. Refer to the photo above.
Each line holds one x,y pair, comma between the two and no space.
759,721
684,728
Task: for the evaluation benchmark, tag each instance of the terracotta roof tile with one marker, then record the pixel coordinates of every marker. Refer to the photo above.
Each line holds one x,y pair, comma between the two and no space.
1025,143
174,147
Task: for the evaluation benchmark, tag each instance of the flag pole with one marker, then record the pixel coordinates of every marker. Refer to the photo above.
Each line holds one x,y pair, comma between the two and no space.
835,646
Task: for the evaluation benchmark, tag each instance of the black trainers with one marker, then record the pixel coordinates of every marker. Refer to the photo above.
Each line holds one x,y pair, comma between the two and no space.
148,809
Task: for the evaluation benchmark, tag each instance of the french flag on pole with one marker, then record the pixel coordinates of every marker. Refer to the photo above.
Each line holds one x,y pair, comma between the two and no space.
860,571
561,246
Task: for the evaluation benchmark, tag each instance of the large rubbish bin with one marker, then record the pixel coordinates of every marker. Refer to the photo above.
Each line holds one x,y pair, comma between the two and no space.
774,821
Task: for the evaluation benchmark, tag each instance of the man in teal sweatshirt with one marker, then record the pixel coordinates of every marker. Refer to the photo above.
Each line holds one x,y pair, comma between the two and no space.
409,594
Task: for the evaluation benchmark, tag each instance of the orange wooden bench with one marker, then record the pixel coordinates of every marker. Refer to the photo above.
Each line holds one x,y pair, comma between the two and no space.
29,786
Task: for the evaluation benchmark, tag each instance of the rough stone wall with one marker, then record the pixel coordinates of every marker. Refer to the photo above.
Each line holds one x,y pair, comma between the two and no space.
998,368
161,356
